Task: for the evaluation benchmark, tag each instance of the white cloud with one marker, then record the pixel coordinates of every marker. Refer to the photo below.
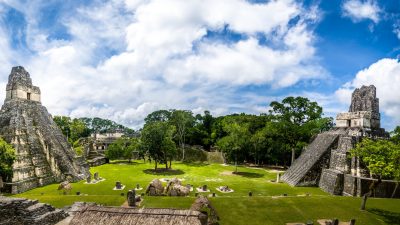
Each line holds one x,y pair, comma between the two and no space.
359,10
124,59
385,75
396,29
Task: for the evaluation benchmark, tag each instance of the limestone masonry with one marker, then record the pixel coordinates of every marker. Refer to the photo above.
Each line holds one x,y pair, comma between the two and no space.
43,153
326,162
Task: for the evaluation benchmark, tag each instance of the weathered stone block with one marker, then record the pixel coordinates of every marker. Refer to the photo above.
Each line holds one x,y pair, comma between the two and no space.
332,181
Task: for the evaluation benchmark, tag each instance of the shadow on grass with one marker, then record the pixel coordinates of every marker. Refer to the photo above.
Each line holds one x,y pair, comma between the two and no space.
249,174
163,172
124,162
388,217
195,164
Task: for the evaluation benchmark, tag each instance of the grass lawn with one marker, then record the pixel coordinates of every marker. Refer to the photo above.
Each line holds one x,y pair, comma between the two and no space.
267,206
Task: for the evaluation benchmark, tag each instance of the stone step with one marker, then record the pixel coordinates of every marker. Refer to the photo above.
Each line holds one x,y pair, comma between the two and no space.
308,158
28,203
49,218
39,209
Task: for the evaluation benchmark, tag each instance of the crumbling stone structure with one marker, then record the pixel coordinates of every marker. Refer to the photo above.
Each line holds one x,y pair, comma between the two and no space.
326,162
43,153
25,211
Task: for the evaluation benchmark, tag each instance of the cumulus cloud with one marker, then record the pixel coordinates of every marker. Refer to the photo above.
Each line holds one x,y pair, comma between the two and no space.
358,10
385,75
123,59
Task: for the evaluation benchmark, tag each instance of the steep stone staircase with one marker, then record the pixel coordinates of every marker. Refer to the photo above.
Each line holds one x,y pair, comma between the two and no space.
312,154
25,211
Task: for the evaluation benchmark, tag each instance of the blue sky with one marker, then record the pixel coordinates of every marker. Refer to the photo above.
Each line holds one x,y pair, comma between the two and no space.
122,59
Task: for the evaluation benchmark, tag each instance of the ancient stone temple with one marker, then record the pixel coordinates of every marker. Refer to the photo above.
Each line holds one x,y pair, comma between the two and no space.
43,153
326,162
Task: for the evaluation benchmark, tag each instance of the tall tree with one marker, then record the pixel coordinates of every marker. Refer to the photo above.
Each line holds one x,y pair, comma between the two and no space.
234,144
297,118
156,139
182,120
158,116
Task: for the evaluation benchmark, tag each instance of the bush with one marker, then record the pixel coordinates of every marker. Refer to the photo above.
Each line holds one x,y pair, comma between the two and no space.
79,150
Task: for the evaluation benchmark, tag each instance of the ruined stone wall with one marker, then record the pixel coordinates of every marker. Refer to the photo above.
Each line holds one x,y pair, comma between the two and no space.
358,186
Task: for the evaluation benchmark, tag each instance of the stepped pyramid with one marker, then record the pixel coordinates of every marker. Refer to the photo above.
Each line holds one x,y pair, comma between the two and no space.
326,162
43,153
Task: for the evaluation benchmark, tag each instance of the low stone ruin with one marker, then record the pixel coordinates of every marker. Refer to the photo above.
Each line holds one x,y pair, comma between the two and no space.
202,203
224,189
89,178
132,198
96,179
118,186
203,188
25,211
173,188
155,188
138,188
65,186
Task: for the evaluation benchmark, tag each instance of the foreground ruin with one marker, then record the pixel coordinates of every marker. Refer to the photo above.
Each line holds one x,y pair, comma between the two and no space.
43,154
326,162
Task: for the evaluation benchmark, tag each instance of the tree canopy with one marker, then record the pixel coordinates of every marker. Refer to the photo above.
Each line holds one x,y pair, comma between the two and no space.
157,142
297,119
123,148
7,157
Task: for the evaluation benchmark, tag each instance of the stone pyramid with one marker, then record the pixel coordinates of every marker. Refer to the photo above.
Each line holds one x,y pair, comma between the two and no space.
326,161
43,153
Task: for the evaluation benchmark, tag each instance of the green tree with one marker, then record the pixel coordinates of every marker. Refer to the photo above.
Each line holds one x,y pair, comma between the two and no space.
63,122
7,157
381,157
298,120
78,129
182,120
158,116
235,143
156,140
395,135
122,148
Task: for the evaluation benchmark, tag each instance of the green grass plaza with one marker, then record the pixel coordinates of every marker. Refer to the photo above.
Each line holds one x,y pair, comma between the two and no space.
270,203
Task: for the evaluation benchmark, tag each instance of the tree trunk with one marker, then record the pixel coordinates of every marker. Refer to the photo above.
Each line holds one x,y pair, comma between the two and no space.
236,163
155,161
395,189
293,156
183,151
372,188
364,200
170,163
